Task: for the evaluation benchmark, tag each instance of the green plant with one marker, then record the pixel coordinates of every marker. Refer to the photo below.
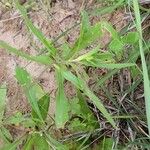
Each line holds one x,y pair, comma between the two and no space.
68,64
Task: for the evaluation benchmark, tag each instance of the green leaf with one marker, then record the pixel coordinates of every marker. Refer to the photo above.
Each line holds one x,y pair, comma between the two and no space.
36,31
55,144
76,81
116,46
144,65
75,108
43,104
37,142
72,78
99,64
18,119
2,101
131,38
86,112
107,26
106,144
88,34
65,50
62,105
87,55
43,59
6,134
106,10
25,80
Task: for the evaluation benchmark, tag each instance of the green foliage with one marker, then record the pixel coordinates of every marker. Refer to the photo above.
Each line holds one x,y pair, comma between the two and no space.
106,144
62,105
25,80
37,142
43,104
74,113
144,65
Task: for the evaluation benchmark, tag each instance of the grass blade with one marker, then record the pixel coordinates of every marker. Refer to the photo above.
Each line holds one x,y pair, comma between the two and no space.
36,31
43,59
43,104
25,81
144,66
62,105
88,34
106,10
109,66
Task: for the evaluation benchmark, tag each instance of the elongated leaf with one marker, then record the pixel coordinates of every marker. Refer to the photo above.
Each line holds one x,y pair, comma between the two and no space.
70,77
6,134
131,38
144,66
106,144
99,64
116,46
55,144
17,119
2,101
25,80
106,10
107,26
76,81
36,31
88,34
36,141
62,105
84,107
43,104
43,59
88,55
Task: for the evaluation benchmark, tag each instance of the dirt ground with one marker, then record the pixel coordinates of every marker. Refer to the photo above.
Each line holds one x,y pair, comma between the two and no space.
63,15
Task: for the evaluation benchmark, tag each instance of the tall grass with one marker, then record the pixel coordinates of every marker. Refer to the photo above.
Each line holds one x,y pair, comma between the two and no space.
144,66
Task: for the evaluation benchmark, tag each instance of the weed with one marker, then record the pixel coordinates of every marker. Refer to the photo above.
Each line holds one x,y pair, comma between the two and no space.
68,63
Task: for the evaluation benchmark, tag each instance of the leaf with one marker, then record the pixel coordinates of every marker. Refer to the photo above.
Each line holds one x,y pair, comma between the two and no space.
18,119
106,10
6,134
75,108
70,77
62,105
88,34
2,101
105,25
144,65
87,55
130,38
86,112
76,81
55,144
43,59
106,144
37,142
43,104
65,50
99,64
116,46
36,31
25,80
